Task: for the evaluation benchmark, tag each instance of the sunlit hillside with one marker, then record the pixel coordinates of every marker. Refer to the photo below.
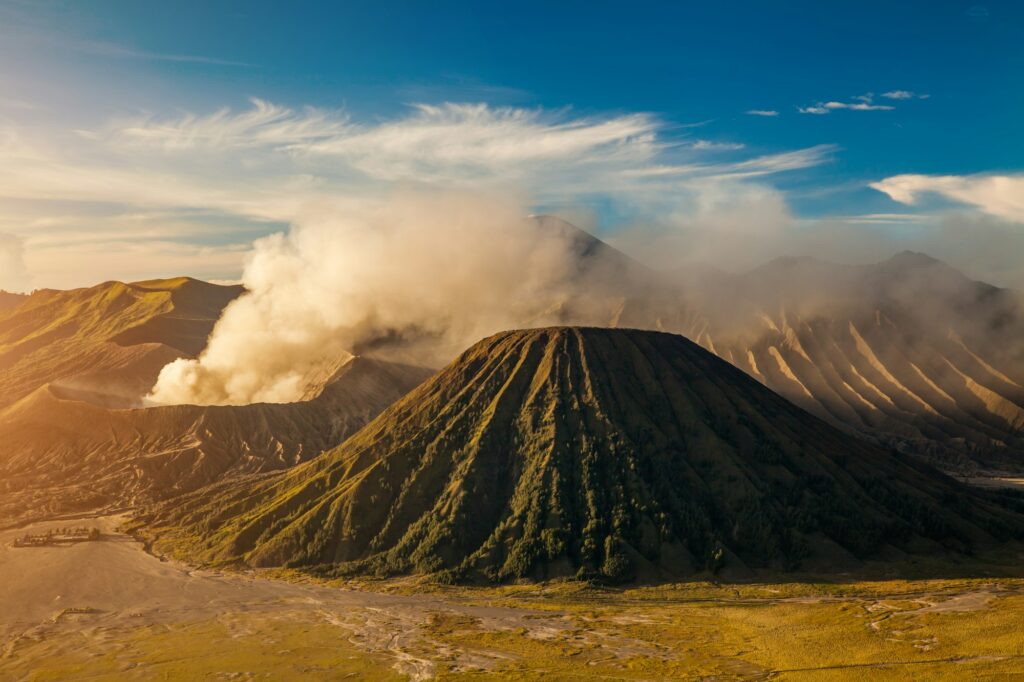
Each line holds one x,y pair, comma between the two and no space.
107,342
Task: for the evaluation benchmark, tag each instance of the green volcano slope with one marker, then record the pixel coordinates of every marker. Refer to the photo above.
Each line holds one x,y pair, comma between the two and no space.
590,452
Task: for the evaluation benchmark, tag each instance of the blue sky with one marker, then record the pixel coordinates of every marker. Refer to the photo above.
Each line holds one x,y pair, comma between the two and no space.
926,98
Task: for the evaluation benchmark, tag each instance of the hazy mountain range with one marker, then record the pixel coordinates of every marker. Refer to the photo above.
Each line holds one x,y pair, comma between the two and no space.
907,353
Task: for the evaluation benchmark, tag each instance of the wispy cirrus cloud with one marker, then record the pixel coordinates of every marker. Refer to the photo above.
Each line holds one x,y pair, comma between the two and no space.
883,219
457,140
748,168
904,94
785,161
452,143
1001,196
265,125
863,102
118,51
203,185
711,145
762,112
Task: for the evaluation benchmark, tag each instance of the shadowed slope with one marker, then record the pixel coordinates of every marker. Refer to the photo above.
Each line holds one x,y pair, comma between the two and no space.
615,452
63,455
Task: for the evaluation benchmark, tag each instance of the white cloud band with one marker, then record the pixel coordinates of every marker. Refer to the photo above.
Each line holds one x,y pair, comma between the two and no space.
998,195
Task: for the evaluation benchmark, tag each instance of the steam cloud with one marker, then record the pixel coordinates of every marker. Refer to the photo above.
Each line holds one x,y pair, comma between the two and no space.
421,277
13,273
451,268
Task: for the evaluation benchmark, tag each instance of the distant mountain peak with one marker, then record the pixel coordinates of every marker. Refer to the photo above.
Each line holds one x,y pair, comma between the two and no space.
785,265
584,243
908,256
913,259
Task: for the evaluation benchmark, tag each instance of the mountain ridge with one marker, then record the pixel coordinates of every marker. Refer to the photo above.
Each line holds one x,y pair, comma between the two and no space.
110,338
10,299
908,352
64,454
588,452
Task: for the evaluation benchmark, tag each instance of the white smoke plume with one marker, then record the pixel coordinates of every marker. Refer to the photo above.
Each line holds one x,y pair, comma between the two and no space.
451,268
13,273
423,276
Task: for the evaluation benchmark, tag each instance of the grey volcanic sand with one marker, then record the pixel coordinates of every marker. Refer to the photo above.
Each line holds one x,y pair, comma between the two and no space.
113,575
126,588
